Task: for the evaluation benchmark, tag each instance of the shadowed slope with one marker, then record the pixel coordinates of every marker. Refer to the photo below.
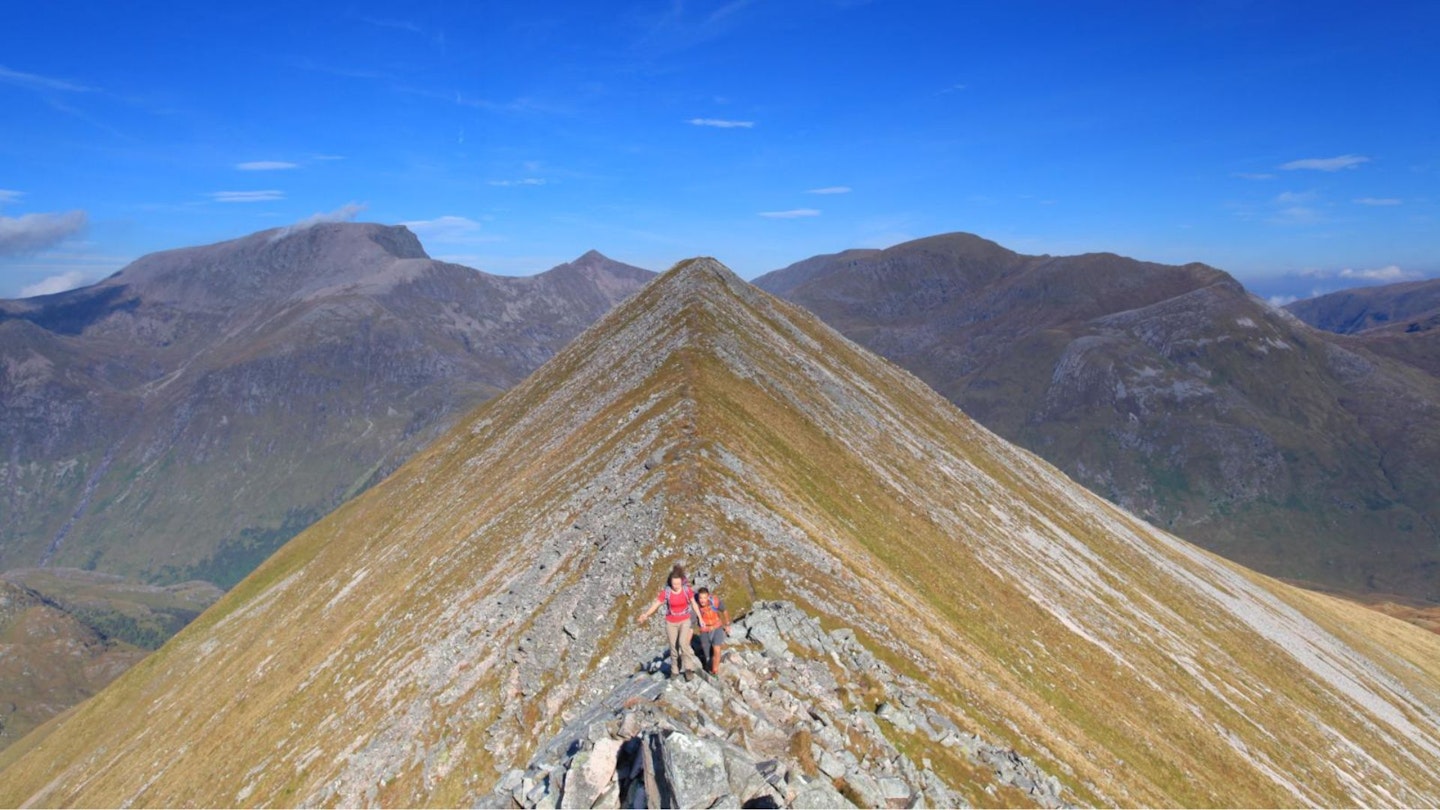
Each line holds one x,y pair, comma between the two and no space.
422,639
1170,391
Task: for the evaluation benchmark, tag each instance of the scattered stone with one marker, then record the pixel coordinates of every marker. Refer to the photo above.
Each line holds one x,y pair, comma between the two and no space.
819,794
727,742
897,716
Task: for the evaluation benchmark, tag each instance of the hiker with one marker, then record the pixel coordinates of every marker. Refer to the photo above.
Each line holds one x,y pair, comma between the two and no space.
679,600
710,609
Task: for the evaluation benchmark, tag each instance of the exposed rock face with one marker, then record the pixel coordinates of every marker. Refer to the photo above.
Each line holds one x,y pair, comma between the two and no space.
792,721
463,619
183,418
1170,391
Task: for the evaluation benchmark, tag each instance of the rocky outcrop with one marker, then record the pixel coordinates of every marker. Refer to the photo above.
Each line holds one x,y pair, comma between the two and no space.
798,717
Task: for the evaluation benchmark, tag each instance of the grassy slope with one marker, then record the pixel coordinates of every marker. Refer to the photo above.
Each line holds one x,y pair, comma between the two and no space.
370,660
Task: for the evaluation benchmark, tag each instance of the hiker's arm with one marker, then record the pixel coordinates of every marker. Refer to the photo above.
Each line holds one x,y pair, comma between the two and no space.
654,606
695,609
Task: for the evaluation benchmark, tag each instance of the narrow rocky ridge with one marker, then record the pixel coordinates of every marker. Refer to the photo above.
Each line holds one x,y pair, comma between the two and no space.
798,717
436,634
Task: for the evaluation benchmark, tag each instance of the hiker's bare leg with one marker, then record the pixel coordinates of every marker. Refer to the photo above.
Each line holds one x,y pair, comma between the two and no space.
715,656
705,654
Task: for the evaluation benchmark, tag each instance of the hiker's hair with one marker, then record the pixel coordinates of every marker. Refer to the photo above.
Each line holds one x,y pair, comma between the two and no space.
703,592
678,572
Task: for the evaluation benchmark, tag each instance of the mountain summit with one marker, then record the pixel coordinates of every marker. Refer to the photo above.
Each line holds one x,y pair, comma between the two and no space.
1171,391
423,642
184,417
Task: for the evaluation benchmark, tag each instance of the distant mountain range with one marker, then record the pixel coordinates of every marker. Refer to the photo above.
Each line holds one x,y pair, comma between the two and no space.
1397,320
932,616
183,418
1172,392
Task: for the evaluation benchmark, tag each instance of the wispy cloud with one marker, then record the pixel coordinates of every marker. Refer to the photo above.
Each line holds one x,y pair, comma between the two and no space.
344,213
721,123
33,232
1297,215
524,181
1255,175
1332,164
327,157
452,230
954,88
1388,274
1378,201
397,25
32,81
794,213
1279,301
266,165
270,195
830,190
55,284
8,195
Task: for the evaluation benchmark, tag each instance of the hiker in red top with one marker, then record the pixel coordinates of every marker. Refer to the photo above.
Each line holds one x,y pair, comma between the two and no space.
678,599
714,622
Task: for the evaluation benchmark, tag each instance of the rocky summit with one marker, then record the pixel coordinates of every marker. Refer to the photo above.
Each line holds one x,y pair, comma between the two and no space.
929,615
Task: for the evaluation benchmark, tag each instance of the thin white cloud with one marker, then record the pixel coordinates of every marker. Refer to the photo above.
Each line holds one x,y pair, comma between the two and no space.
327,157
830,190
452,230
344,213
1294,197
1381,275
794,213
1297,215
1279,301
1255,175
954,88
1333,164
524,181
1378,201
270,195
721,123
266,165
398,25
55,284
32,232
31,81
9,195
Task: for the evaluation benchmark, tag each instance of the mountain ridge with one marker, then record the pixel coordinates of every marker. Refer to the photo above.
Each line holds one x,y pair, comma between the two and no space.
319,356
424,640
1171,391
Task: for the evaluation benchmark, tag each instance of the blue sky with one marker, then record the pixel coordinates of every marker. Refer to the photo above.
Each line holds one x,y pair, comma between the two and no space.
1296,145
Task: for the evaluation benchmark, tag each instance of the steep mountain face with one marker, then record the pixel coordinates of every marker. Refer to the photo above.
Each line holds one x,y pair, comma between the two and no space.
1170,391
960,618
1396,320
183,418
49,660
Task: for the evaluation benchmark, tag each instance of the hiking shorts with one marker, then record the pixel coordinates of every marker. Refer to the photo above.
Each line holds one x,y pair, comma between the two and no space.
716,636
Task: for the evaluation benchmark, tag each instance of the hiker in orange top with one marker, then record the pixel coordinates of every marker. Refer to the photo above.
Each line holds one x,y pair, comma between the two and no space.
679,601
714,622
